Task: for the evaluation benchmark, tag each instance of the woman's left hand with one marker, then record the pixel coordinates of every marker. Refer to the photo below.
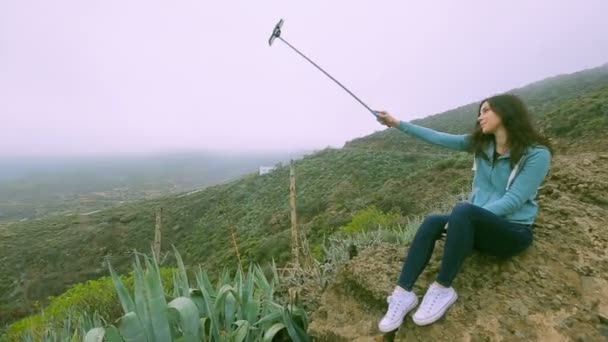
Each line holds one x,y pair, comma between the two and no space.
386,119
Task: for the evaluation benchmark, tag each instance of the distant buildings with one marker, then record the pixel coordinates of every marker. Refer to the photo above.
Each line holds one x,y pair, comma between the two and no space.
266,169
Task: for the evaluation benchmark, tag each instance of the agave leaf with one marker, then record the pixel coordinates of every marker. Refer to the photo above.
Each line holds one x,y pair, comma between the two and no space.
205,328
189,318
251,310
296,333
246,293
230,308
249,282
263,284
224,279
175,286
76,336
85,324
141,303
272,331
156,302
97,320
269,318
130,328
238,279
182,276
225,306
125,299
112,334
296,311
197,297
95,335
67,325
203,282
27,337
241,332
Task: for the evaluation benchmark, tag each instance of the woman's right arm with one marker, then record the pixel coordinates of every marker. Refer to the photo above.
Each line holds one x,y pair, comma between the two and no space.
459,142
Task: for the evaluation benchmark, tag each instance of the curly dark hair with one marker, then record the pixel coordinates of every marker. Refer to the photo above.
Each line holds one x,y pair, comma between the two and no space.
518,124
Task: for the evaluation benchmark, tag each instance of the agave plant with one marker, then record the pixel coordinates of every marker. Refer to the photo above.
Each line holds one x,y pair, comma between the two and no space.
71,330
238,309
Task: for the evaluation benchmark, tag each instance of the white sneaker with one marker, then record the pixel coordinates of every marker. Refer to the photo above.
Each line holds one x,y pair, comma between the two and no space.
435,303
399,304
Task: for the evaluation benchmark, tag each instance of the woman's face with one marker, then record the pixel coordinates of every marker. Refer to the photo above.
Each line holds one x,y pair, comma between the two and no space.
489,121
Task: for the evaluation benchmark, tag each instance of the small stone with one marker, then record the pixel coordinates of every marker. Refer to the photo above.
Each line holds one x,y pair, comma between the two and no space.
586,162
523,276
568,322
519,307
520,335
555,194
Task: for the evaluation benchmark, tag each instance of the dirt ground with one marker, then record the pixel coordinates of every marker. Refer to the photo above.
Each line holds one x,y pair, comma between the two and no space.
555,291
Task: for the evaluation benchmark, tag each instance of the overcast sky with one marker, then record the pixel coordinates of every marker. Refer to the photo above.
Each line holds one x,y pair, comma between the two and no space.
122,76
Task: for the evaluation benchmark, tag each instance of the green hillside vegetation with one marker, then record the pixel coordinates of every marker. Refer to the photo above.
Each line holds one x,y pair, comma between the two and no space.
541,98
386,175
583,118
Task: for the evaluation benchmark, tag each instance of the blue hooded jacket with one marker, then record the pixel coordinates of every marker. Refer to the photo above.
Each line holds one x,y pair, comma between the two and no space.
509,192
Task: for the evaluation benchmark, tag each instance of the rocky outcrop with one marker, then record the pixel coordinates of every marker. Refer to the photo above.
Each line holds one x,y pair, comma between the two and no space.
555,291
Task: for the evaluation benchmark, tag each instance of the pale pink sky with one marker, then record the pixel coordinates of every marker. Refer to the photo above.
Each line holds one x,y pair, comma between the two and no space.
109,76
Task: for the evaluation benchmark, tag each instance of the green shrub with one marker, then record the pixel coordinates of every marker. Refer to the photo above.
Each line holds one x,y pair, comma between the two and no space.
371,218
93,296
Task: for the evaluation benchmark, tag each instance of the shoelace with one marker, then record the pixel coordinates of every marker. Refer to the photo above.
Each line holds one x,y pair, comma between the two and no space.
433,296
394,306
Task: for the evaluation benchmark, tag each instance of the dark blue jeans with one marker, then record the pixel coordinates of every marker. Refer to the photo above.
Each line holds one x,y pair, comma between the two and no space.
470,227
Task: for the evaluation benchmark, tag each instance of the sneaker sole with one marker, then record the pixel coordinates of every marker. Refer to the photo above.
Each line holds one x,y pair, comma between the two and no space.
436,317
398,324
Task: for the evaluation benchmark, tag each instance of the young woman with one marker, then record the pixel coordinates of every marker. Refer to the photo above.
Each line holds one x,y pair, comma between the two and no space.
511,161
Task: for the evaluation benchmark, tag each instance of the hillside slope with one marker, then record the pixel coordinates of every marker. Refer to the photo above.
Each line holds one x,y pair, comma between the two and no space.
388,169
555,291
44,257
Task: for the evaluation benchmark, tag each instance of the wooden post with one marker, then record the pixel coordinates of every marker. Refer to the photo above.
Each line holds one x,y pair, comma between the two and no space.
236,247
159,223
294,221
